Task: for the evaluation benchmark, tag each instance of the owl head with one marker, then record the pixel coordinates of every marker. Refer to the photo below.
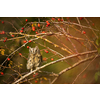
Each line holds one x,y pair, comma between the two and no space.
34,50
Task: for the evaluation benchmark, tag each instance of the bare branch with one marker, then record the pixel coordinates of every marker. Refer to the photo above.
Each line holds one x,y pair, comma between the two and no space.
74,55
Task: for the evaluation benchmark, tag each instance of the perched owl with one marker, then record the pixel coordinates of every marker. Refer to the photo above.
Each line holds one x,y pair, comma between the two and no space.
34,58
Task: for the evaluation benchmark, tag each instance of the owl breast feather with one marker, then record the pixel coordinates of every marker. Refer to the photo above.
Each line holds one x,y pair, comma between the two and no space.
30,63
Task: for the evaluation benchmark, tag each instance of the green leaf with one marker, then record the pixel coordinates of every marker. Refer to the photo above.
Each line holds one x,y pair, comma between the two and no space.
96,76
98,73
97,42
99,50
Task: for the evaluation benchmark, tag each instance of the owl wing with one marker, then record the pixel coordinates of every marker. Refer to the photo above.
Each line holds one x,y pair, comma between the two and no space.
38,60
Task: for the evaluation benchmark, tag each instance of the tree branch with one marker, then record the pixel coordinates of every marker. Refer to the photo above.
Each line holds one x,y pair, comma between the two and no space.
71,56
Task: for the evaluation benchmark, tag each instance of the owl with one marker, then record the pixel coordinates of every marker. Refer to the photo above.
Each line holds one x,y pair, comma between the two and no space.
34,58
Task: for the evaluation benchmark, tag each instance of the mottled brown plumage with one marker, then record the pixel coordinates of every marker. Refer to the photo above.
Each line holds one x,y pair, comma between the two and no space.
34,58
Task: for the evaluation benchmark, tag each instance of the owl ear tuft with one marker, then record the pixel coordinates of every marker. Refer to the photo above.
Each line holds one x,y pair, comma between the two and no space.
30,50
36,47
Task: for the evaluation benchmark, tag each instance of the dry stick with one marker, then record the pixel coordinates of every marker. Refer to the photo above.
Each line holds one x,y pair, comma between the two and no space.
88,40
49,33
7,48
51,74
79,22
52,50
65,33
64,44
55,45
55,52
70,40
66,22
29,35
93,32
79,25
92,23
68,36
65,70
71,56
78,40
90,26
81,29
26,80
16,71
91,42
12,25
39,19
71,23
84,69
14,38
20,20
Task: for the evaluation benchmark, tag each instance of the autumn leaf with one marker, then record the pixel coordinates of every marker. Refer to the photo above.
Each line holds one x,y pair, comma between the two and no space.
45,78
2,51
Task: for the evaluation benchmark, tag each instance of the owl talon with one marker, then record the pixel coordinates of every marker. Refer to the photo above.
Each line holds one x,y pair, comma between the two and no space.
37,68
31,71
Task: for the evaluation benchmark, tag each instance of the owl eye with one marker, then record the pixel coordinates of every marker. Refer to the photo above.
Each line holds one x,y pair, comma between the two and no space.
30,50
35,50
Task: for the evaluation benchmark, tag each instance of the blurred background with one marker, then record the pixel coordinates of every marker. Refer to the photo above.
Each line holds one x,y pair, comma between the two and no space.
10,40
